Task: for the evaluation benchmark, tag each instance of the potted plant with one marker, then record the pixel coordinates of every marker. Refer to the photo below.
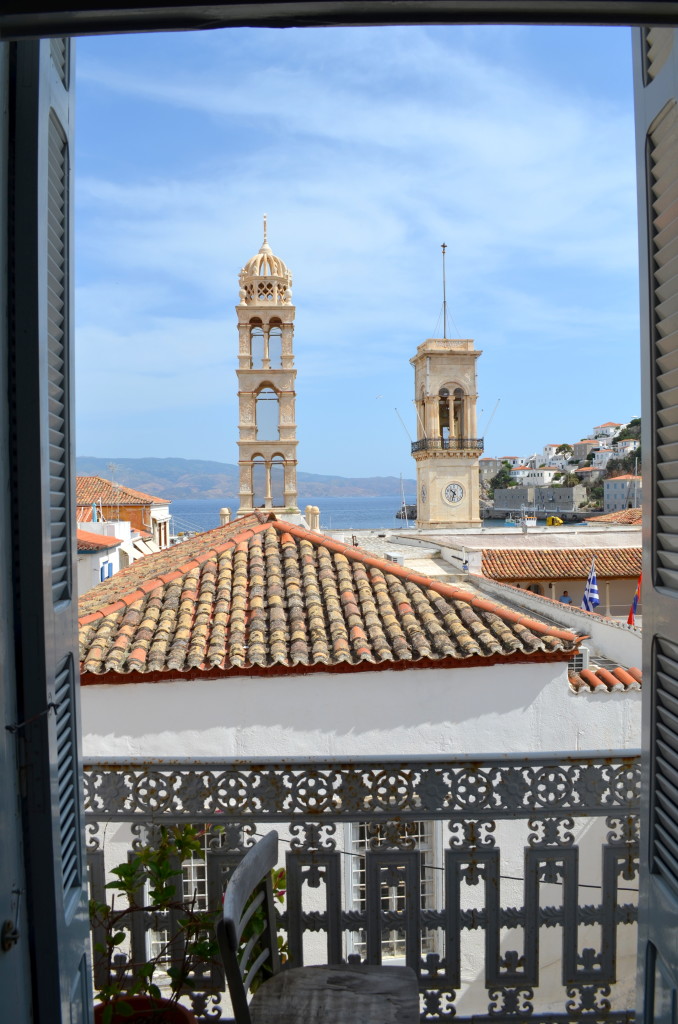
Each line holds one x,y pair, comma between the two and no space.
145,884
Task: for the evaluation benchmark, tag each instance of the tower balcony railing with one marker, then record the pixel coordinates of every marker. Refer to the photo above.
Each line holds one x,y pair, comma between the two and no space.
509,883
459,444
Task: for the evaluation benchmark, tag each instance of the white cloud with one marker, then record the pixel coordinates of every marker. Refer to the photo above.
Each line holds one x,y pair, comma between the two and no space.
367,149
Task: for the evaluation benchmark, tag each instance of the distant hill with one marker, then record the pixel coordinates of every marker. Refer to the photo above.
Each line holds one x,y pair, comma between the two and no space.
200,478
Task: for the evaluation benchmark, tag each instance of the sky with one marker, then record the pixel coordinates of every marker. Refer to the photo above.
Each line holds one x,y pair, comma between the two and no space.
367,148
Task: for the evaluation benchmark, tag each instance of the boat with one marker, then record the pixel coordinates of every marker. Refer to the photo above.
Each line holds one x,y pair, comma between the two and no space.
407,512
554,521
527,517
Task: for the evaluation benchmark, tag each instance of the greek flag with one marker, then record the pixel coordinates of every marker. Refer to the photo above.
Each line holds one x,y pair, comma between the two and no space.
590,598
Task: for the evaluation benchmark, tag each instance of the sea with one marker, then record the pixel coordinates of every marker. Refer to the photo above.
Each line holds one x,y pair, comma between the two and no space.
195,515
198,514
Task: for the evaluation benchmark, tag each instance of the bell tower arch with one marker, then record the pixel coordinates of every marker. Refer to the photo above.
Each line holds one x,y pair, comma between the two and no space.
267,429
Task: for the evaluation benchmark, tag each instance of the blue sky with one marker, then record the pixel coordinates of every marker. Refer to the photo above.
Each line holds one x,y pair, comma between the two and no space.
367,148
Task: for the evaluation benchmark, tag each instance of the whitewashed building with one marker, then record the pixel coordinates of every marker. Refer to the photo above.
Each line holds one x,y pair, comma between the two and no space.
341,654
622,492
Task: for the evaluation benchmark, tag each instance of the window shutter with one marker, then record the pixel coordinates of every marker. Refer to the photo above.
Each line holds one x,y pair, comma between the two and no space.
656,78
43,524
662,149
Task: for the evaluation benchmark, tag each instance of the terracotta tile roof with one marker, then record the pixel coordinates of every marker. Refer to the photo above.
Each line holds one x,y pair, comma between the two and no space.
627,516
90,489
160,562
559,563
95,541
609,424
276,596
604,680
588,469
625,476
83,513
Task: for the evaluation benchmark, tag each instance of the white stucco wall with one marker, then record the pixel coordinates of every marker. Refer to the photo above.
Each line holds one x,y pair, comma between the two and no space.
498,708
469,710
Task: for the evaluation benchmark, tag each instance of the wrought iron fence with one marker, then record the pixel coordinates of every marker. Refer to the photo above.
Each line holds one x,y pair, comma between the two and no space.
415,858
458,444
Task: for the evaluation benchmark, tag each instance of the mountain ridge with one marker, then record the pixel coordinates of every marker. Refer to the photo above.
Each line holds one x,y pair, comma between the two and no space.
177,479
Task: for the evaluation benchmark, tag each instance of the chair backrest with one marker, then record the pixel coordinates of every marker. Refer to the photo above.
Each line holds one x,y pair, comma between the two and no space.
246,928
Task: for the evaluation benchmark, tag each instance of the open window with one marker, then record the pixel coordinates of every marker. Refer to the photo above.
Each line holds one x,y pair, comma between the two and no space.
267,414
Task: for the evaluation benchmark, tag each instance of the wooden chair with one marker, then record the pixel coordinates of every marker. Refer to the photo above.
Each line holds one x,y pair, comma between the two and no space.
353,994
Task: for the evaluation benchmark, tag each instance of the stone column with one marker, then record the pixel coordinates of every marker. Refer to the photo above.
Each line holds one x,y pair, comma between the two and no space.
244,347
246,488
290,489
266,361
286,347
268,501
472,415
432,419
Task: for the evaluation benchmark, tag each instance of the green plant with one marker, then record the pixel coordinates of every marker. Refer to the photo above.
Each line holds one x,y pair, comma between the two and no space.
502,479
150,882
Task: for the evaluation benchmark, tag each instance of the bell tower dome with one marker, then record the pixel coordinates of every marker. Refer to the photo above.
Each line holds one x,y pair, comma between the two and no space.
266,385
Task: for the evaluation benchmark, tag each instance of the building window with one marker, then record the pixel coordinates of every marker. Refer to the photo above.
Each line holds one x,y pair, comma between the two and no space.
267,414
257,346
393,898
275,345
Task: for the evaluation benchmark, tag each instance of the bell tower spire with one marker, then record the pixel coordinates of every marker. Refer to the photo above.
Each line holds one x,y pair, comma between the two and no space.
266,385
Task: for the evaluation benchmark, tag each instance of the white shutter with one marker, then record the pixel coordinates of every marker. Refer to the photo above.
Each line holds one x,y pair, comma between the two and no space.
43,521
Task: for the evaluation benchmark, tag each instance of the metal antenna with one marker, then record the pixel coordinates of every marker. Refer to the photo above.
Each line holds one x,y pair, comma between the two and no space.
444,247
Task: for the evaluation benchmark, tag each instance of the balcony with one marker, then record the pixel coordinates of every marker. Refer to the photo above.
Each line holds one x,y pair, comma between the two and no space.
508,883
452,444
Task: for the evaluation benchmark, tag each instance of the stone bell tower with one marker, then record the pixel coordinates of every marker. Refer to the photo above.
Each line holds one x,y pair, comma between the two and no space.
266,385
446,450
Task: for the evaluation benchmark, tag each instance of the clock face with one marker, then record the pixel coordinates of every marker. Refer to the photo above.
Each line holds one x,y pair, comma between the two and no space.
453,493
423,494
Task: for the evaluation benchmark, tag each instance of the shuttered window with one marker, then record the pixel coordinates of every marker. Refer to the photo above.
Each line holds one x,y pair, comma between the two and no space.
57,327
60,54
663,177
67,777
658,44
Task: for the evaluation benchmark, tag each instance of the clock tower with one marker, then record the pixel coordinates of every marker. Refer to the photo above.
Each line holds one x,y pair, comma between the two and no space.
446,450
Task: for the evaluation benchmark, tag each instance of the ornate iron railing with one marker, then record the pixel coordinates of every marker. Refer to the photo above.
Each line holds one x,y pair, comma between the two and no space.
458,444
418,858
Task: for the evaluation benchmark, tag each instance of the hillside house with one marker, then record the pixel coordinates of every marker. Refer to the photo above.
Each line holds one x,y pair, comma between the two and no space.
149,516
622,492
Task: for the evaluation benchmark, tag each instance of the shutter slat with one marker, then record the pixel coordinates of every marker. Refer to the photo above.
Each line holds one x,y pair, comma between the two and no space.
68,793
658,44
665,816
57,321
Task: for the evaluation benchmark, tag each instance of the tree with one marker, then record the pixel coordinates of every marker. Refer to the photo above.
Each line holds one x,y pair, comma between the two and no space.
564,449
632,430
502,479
571,480
595,493
617,467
